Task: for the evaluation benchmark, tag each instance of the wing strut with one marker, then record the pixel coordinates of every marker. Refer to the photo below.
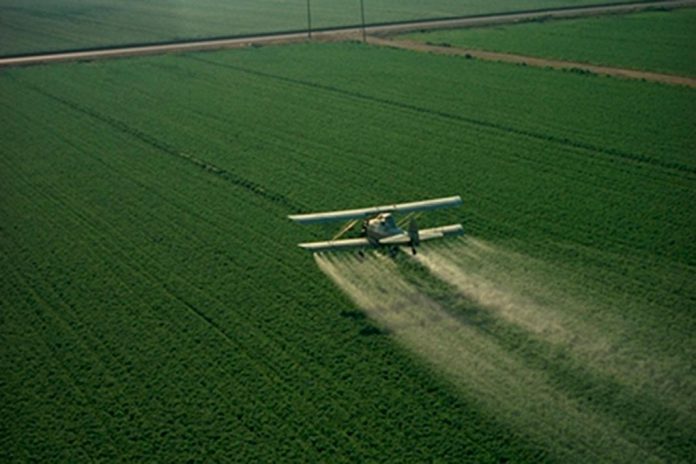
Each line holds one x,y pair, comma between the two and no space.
345,229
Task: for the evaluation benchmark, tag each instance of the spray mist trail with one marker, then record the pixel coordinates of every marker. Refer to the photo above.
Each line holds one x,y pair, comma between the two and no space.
530,295
476,364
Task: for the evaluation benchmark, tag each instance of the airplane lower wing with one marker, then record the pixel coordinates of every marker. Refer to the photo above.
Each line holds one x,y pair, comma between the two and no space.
334,245
399,239
439,232
423,235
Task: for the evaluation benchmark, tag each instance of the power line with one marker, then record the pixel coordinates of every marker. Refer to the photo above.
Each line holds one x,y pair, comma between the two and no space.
362,16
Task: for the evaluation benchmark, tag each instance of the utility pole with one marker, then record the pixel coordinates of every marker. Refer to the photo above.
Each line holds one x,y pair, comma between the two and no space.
309,20
362,16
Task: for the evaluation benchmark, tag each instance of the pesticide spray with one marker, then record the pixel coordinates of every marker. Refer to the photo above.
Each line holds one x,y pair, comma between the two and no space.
472,360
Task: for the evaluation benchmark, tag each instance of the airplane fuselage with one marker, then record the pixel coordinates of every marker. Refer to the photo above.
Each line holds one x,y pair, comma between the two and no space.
381,226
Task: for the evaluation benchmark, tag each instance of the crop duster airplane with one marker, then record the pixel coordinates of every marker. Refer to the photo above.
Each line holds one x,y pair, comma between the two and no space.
379,229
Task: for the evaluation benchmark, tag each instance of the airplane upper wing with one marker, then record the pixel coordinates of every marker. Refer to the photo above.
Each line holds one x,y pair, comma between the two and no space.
333,245
345,215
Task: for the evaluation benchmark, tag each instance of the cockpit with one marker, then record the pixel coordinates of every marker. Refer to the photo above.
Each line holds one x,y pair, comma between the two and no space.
386,220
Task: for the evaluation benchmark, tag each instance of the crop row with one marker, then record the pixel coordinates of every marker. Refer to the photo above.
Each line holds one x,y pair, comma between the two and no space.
151,263
651,41
175,312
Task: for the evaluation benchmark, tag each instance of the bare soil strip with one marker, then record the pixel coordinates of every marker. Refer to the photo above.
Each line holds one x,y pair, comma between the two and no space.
345,33
535,61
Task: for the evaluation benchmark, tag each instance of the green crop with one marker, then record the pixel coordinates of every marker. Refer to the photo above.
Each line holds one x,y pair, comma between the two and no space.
49,25
652,41
155,306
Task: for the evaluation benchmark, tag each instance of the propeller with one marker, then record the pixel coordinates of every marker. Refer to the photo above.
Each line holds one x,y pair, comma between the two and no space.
413,235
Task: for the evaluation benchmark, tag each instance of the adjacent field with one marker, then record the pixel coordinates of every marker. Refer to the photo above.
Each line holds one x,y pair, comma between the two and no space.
47,25
155,306
659,41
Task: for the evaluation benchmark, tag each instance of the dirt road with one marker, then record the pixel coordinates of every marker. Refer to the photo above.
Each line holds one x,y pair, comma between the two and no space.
336,34
535,61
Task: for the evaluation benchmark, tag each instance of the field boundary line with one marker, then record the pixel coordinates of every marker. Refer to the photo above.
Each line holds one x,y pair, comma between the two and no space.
537,62
349,32
611,152
167,149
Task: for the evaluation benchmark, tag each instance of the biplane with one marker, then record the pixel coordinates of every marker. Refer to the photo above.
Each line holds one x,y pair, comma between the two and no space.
379,228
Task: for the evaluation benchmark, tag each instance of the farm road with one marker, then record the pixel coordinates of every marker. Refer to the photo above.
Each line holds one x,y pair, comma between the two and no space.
534,61
343,33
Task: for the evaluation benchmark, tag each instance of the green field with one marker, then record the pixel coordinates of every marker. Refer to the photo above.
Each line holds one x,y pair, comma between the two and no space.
155,306
49,25
660,41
